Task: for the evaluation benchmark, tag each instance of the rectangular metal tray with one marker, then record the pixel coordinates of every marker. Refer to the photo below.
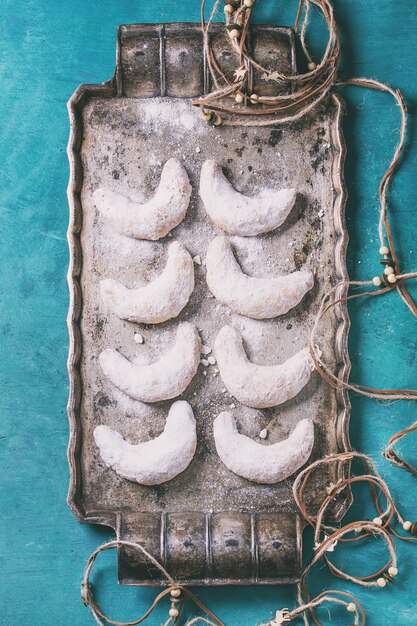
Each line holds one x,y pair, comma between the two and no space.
207,526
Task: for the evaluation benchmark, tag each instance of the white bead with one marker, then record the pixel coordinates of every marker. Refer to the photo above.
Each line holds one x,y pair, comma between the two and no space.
207,116
377,521
389,270
217,120
174,612
393,571
254,97
384,250
391,278
228,8
239,98
377,281
248,3
234,33
381,582
407,526
175,593
351,607
312,66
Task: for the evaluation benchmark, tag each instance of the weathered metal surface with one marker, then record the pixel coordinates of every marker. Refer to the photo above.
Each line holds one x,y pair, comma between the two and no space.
207,525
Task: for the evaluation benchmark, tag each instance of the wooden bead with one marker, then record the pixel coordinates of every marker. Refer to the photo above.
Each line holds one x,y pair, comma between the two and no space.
392,278
248,3
234,33
386,261
381,582
312,66
389,270
351,607
389,578
217,120
393,571
377,281
207,116
239,98
384,250
173,612
377,521
254,98
175,593
407,526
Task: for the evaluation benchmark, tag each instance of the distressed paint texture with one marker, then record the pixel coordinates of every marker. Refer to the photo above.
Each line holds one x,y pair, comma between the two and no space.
46,50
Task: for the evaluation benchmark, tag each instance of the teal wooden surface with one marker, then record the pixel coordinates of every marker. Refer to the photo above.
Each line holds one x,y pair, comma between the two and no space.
47,48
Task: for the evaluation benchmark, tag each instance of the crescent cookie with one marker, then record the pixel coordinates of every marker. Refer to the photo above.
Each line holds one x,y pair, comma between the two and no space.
157,217
259,386
160,300
261,463
163,380
156,461
237,214
258,298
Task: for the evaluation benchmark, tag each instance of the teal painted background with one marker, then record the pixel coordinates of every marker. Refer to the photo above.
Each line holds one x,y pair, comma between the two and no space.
47,48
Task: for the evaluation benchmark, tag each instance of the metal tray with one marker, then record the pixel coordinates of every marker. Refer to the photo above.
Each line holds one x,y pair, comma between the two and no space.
207,526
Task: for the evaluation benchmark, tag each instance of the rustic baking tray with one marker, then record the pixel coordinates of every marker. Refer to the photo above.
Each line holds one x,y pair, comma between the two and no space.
208,526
